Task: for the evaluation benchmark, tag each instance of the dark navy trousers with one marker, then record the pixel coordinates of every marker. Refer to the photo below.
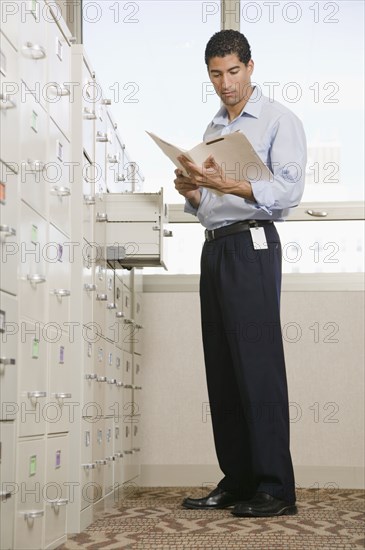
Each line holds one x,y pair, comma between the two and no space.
245,366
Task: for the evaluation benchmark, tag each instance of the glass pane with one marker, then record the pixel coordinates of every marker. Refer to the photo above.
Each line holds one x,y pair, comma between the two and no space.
307,247
149,57
310,57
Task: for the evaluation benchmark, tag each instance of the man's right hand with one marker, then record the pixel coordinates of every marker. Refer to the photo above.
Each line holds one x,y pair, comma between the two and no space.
187,188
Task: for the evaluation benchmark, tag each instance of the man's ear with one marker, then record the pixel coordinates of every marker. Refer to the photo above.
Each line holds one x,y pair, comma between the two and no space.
251,66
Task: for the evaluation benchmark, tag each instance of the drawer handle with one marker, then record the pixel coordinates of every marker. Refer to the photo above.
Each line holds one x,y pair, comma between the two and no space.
7,231
120,177
36,278
106,101
89,199
101,137
36,394
58,503
101,217
102,462
61,292
120,384
119,314
102,297
35,165
128,452
33,51
91,376
137,387
7,361
112,381
112,159
128,386
167,233
118,455
110,458
111,305
136,449
128,322
61,191
317,213
5,495
138,326
6,102
62,395
90,466
33,514
60,92
89,287
89,114
101,379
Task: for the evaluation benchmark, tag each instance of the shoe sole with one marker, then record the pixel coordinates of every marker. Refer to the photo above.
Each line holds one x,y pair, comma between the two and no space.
290,511
192,507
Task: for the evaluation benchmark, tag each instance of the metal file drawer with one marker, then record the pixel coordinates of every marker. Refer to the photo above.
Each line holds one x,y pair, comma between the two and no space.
9,231
10,18
8,487
59,74
88,209
109,456
9,334
33,49
33,154
59,179
87,463
127,368
135,221
137,370
32,379
32,267
89,94
57,492
99,457
118,452
61,370
9,104
29,522
60,258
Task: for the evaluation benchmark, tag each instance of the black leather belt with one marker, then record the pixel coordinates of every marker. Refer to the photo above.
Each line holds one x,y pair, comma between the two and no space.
238,227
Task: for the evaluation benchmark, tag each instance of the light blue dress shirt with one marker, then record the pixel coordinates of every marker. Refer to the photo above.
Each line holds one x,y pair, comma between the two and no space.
277,136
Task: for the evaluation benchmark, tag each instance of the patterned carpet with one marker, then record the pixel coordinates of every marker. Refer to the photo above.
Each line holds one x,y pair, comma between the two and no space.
153,519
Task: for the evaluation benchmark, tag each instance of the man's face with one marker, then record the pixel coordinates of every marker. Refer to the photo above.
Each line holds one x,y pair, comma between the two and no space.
231,78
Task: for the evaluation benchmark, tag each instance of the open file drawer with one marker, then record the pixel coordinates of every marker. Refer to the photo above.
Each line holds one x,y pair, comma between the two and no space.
133,222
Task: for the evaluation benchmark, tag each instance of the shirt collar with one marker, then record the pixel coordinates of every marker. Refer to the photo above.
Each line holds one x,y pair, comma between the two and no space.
252,108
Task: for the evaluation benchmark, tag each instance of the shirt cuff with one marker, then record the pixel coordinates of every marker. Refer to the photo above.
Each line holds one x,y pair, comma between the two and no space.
262,191
189,208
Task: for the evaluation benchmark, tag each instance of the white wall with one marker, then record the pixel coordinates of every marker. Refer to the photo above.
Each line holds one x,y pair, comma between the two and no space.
325,376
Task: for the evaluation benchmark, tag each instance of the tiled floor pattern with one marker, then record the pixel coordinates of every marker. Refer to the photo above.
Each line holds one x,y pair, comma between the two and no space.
153,519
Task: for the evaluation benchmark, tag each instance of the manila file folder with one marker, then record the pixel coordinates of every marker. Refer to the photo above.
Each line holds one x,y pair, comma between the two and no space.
233,152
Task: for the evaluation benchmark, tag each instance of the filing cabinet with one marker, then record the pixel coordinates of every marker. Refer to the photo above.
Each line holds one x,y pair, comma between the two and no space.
9,103
32,379
60,178
8,487
60,410
10,245
9,334
59,90
33,153
56,492
30,503
68,315
59,255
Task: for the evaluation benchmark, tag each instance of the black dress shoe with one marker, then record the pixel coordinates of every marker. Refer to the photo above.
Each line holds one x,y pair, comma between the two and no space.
217,499
263,505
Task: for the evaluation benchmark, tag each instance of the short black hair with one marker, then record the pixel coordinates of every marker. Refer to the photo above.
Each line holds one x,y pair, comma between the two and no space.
226,42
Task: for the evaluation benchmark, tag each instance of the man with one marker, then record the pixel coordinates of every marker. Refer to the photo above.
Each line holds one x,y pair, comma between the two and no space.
240,287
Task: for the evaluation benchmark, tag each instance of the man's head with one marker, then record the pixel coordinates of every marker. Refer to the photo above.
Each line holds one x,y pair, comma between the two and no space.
229,63
227,42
